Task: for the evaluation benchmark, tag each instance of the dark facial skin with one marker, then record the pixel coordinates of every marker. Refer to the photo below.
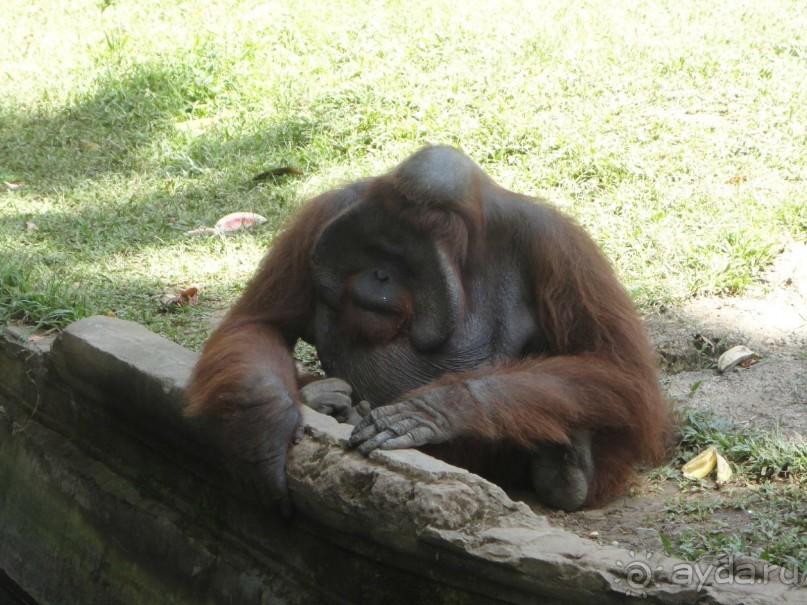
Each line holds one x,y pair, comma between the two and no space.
460,314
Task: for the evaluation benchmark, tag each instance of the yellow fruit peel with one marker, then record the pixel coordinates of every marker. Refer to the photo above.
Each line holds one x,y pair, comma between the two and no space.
724,472
701,465
705,462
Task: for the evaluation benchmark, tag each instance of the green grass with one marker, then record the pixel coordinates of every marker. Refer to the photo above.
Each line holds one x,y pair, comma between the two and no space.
760,455
765,521
675,132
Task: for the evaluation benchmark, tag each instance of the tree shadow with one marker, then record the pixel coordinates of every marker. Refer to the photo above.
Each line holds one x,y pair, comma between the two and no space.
104,158
100,133
109,176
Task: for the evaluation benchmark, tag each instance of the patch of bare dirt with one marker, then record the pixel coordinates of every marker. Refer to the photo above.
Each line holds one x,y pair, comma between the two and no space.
770,395
772,321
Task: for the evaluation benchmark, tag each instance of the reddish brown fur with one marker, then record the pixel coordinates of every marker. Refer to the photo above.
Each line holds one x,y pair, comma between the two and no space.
549,398
259,331
601,354
599,375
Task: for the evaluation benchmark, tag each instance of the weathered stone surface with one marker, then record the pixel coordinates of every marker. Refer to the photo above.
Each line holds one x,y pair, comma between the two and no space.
108,494
127,368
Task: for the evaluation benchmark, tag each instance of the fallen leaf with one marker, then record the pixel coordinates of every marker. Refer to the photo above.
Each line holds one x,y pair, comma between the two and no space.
736,180
31,226
14,185
276,172
189,296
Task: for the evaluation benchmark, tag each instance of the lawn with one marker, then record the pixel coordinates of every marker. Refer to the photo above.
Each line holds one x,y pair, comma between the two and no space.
674,131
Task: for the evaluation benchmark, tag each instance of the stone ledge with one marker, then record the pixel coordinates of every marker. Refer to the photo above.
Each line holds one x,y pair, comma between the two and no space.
150,504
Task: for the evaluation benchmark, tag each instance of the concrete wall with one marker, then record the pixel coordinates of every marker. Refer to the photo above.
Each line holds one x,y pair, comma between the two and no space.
109,495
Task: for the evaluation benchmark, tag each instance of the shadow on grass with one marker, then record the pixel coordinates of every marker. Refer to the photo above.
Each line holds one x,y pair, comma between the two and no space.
101,133
116,127
110,175
122,136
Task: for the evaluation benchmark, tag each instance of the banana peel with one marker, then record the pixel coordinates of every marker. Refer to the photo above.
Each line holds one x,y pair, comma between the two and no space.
724,471
701,465
705,462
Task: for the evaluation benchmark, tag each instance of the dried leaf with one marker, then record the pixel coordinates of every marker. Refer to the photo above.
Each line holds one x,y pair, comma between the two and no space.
276,172
14,185
31,226
189,296
736,180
